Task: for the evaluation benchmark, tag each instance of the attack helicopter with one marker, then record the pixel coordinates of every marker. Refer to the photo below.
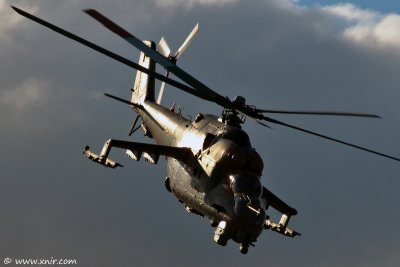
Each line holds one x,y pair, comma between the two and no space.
212,168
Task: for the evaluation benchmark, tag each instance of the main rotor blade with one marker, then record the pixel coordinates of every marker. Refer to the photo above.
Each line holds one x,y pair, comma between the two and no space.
329,113
329,138
177,71
114,56
161,92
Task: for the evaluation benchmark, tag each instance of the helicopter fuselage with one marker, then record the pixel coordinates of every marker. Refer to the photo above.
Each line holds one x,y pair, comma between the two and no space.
205,183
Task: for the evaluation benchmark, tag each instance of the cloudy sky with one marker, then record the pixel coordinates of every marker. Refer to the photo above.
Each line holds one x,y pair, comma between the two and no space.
279,54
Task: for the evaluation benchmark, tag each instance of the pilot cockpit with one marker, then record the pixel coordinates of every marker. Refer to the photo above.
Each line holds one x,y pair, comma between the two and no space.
247,191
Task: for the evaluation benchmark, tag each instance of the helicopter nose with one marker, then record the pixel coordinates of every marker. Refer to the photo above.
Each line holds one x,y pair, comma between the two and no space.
246,188
249,209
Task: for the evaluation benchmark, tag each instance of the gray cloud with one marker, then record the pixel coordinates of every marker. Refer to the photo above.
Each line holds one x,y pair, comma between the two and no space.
24,96
276,53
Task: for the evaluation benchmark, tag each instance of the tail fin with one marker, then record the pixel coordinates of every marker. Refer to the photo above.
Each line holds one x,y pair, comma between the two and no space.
143,88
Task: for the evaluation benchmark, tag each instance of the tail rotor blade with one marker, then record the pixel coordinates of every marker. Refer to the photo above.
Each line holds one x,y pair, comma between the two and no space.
187,42
163,48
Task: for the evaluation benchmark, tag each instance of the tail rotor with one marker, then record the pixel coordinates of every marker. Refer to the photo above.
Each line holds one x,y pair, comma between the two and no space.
164,49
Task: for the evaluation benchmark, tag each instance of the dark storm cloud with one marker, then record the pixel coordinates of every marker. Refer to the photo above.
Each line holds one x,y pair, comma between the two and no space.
275,53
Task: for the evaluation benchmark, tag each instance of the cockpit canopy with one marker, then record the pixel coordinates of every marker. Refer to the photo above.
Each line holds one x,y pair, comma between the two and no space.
247,191
246,183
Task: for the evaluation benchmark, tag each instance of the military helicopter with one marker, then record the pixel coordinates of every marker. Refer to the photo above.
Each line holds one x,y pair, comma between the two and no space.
212,168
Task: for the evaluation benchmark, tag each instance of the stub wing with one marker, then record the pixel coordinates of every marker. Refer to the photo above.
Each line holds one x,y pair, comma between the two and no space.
278,204
135,150
179,153
286,211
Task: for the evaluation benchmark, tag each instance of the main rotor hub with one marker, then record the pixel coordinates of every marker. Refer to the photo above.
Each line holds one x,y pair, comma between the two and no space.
240,101
231,117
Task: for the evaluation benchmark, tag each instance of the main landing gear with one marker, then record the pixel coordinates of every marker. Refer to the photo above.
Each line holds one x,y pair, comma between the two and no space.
220,237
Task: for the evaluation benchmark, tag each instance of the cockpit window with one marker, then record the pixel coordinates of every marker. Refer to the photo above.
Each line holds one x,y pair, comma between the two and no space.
238,136
247,190
246,183
209,140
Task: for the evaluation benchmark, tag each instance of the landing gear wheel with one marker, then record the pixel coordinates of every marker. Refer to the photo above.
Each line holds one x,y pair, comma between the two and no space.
220,240
244,248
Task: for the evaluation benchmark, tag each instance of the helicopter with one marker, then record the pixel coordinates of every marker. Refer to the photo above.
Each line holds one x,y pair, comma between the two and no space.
212,168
